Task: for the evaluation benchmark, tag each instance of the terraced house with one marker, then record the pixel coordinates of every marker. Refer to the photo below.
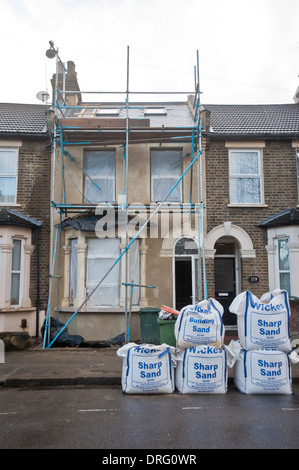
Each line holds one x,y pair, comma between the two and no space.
24,216
121,161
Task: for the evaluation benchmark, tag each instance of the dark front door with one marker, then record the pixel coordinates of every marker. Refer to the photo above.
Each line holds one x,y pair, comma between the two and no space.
183,283
225,287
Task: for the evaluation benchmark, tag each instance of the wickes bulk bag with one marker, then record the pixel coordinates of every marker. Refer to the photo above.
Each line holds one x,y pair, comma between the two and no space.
147,368
263,371
200,324
202,369
265,322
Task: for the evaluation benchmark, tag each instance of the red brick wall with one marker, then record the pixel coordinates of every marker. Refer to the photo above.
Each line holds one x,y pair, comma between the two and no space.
294,305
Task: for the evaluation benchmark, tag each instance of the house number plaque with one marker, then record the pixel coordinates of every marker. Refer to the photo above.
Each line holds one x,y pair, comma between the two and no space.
253,279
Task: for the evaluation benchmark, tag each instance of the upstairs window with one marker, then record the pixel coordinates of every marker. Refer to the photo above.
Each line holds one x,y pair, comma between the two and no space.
166,169
100,182
245,177
298,173
8,175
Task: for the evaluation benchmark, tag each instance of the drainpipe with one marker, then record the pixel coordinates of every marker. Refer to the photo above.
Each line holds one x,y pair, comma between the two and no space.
37,279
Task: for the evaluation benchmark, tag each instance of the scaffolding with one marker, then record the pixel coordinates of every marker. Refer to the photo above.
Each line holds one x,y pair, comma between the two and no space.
125,132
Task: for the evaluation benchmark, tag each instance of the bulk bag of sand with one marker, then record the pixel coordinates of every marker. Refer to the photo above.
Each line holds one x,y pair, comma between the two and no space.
200,324
265,322
147,368
202,369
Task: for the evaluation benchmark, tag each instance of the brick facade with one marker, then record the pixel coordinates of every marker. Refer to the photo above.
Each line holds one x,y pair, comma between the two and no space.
280,192
34,197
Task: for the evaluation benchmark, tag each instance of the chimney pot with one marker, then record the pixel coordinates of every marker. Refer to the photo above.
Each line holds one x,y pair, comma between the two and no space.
71,68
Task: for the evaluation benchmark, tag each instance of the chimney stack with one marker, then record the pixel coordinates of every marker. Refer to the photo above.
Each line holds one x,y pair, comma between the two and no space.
71,83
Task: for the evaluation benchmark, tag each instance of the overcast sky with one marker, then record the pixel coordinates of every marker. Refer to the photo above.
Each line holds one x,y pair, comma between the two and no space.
248,50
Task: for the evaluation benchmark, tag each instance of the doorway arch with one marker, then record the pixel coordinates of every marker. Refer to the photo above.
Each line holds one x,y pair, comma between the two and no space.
227,244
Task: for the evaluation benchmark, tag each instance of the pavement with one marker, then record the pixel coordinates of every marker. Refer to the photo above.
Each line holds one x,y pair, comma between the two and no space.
39,367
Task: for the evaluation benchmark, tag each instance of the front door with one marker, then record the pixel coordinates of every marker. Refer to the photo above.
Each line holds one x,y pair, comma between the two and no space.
225,286
183,283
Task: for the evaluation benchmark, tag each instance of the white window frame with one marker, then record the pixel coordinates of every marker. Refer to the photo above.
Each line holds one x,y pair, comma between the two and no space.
258,176
298,173
278,270
19,271
15,151
167,176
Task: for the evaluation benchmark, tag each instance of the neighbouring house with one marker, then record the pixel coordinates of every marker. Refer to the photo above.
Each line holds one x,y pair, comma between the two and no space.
252,239
25,168
115,164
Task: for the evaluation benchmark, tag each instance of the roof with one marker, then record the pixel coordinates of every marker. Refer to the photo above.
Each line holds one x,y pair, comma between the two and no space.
10,217
283,218
279,119
23,118
234,120
177,114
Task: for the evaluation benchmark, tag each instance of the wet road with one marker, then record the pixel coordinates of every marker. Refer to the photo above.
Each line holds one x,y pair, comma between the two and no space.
104,418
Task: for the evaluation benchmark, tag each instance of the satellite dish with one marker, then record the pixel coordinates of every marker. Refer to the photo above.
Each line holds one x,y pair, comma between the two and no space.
42,96
50,53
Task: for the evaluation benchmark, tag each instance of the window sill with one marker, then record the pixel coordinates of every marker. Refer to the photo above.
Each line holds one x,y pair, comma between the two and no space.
257,206
17,309
3,204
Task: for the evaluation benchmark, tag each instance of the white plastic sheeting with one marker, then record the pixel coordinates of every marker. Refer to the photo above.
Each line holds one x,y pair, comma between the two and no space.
73,270
101,255
100,166
166,169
